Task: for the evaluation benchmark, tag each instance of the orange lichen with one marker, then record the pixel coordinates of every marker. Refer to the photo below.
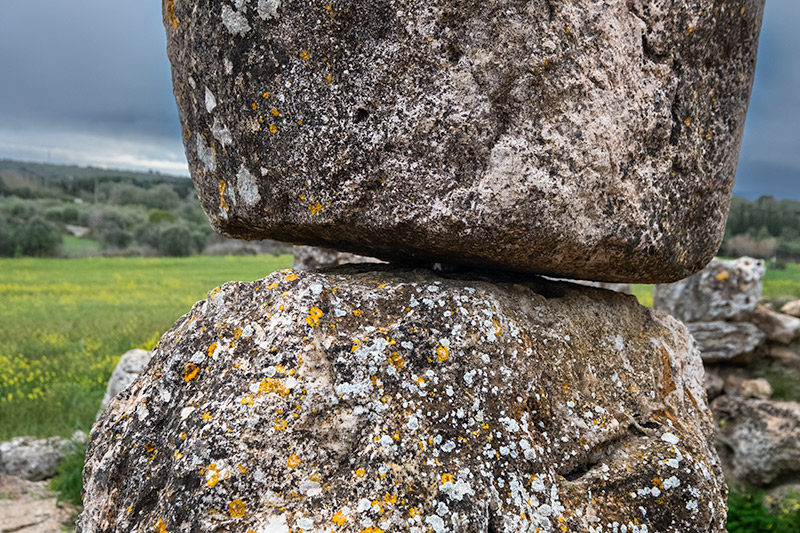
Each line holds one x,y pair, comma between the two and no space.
396,361
160,527
358,312
273,128
173,22
360,472
237,509
313,317
206,415
390,498
280,424
247,400
275,112
290,277
723,276
688,122
265,95
329,78
254,106
212,475
372,529
293,461
212,349
498,328
447,478
339,518
442,353
315,208
190,371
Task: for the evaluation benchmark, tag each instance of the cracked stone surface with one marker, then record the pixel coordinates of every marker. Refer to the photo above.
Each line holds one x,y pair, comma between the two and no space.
582,139
374,399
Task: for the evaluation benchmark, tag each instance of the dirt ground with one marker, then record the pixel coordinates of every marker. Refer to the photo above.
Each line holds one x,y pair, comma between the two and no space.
29,507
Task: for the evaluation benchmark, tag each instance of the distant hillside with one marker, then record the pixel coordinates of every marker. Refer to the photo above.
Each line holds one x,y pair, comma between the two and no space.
42,180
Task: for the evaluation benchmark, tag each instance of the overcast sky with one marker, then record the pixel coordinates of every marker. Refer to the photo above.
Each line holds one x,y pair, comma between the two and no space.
87,82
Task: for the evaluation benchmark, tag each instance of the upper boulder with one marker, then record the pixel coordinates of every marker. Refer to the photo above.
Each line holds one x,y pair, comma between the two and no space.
587,140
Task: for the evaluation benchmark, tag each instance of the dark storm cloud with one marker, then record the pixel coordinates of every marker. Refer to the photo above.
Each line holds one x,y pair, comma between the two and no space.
87,81
87,63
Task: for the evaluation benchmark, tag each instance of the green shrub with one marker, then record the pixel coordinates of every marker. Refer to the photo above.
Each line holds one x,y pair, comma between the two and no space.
747,514
7,241
68,482
39,238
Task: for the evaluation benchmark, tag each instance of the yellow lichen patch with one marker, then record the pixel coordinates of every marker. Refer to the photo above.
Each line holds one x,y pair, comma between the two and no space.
329,78
293,461
241,468
173,22
372,529
237,333
566,388
275,112
280,424
390,498
447,478
273,285
265,95
290,277
723,276
190,371
498,328
339,518
688,122
358,312
273,128
414,511
356,345
207,415
254,106
160,527
271,385
442,353
313,317
237,508
315,208
305,55
212,349
247,400
212,475
397,361
360,472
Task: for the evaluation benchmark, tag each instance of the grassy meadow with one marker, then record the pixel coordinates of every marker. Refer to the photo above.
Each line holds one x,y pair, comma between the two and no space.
64,324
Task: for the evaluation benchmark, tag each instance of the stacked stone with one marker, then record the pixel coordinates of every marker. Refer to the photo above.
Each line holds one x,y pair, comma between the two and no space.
570,139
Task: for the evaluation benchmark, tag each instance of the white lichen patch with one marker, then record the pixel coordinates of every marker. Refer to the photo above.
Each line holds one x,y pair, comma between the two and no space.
221,133
234,21
247,187
206,154
268,9
211,101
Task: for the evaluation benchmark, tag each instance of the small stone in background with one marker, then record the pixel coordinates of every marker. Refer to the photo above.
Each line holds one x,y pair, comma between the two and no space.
724,290
36,459
130,365
778,327
726,341
792,308
311,257
758,388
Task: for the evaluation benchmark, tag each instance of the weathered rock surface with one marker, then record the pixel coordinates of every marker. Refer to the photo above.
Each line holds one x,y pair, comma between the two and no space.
724,290
589,140
394,400
758,388
726,341
130,365
35,459
792,308
760,440
777,327
310,258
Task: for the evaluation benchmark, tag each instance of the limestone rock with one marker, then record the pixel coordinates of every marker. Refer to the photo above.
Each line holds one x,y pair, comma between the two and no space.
778,327
760,439
310,258
724,290
34,459
758,388
405,401
792,308
584,140
130,365
726,341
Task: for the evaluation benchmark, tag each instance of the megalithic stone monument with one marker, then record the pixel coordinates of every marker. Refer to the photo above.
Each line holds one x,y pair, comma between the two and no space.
570,138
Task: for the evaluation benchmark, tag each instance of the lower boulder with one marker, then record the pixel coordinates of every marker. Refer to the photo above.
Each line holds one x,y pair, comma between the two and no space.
381,400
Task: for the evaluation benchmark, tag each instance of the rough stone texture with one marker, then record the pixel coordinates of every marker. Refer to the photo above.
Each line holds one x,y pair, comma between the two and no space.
580,139
310,258
388,400
792,308
130,365
724,290
778,327
758,388
759,440
624,288
35,459
726,341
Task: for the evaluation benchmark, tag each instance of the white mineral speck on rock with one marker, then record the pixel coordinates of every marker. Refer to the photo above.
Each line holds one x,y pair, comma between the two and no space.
247,187
211,102
670,438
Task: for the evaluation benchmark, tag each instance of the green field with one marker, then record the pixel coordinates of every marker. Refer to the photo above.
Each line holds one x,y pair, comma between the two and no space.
64,324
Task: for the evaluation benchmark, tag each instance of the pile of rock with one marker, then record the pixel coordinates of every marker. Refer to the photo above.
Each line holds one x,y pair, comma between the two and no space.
741,341
378,398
